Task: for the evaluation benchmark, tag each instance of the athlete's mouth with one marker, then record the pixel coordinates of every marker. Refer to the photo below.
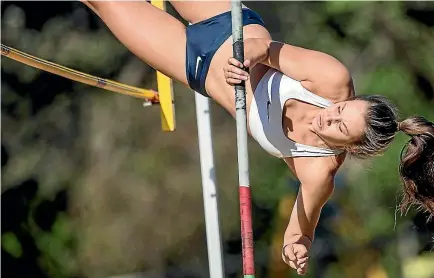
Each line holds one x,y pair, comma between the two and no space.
320,121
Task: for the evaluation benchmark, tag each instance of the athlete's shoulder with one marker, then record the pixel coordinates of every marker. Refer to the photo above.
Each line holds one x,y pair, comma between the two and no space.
319,168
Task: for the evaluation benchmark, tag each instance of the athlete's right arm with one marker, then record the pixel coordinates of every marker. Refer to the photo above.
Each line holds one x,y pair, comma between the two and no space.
296,62
306,65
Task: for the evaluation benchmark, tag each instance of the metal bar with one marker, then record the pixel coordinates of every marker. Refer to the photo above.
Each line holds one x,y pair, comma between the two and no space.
210,200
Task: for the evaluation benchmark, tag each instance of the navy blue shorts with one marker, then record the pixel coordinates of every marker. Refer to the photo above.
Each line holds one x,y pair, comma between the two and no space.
204,39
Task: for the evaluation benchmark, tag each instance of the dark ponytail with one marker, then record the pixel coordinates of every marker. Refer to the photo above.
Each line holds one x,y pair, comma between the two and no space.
417,164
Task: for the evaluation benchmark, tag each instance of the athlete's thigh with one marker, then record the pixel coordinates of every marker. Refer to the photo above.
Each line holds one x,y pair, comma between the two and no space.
195,11
153,35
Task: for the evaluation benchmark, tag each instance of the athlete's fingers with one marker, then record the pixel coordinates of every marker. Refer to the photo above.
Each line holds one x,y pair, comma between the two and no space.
237,70
235,62
289,252
231,71
236,76
302,261
292,264
302,269
300,251
289,258
232,81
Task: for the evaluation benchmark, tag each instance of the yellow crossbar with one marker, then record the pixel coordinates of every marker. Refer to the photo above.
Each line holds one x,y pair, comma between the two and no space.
78,76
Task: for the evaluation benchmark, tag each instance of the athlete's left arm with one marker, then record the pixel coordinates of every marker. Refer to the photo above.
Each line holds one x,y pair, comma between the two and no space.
316,176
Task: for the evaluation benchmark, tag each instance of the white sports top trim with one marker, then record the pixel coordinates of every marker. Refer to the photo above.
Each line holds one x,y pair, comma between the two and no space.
265,116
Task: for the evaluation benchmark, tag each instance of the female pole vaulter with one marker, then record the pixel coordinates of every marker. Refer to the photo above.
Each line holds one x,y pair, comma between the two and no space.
301,103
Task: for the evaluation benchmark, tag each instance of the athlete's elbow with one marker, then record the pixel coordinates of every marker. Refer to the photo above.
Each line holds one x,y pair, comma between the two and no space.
339,79
319,194
338,75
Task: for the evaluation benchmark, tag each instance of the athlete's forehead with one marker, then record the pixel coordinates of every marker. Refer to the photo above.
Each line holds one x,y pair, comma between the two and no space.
353,115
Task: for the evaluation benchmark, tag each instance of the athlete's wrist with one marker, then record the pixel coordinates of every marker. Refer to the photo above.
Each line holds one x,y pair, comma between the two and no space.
295,237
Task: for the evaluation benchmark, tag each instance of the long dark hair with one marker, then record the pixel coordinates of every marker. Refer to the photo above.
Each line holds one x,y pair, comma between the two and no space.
417,157
417,164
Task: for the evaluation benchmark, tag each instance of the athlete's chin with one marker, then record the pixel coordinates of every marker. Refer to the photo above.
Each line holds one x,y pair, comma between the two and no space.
314,126
317,129
332,141
326,137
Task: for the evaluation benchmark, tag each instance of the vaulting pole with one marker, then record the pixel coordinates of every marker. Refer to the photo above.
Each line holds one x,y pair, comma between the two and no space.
243,157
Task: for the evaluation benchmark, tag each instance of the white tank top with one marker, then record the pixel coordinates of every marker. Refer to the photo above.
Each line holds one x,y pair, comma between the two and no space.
265,116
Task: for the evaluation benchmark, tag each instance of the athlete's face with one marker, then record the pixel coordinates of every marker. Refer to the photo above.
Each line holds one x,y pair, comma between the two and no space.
341,124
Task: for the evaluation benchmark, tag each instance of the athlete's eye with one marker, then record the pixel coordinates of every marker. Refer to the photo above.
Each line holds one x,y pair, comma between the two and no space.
343,128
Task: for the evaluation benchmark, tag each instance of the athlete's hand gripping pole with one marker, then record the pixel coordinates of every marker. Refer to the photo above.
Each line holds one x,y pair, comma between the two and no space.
243,158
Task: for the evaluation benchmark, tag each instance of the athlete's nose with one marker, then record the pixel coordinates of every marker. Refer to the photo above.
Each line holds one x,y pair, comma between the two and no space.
331,118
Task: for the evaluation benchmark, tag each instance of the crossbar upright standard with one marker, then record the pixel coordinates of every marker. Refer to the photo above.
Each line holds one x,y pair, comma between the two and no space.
209,188
243,158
